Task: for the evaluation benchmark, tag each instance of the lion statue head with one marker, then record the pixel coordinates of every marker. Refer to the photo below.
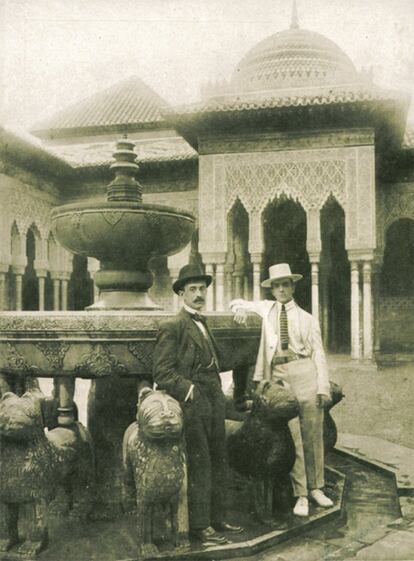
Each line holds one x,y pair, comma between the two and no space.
21,417
159,416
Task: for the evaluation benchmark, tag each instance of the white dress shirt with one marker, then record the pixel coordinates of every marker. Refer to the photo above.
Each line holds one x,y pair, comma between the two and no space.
304,337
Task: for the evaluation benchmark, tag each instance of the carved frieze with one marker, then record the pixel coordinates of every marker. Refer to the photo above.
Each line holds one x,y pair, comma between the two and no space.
17,363
98,363
55,352
276,142
142,351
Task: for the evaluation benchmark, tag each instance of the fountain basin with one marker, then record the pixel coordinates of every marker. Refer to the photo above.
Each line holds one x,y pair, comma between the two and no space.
103,344
123,236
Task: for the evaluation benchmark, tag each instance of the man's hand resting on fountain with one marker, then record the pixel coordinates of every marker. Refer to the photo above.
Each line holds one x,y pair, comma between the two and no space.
240,316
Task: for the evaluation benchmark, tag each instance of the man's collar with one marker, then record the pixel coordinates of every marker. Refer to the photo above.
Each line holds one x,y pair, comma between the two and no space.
288,306
191,311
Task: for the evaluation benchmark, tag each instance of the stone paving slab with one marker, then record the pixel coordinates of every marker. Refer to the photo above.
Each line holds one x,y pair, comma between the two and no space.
387,455
396,546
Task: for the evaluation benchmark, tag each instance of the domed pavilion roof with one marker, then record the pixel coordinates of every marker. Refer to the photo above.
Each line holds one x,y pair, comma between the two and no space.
294,58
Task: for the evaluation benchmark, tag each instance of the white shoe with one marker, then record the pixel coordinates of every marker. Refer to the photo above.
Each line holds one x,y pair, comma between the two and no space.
320,498
301,507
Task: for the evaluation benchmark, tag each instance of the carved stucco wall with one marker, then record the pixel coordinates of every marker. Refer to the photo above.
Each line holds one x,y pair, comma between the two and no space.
307,176
393,203
26,206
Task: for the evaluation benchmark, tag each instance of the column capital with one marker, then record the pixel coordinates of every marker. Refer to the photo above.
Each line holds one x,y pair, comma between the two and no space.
256,258
360,254
18,269
60,275
4,267
214,257
41,265
314,256
41,273
366,271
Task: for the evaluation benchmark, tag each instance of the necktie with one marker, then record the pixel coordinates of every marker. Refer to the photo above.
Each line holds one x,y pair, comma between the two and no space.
199,317
283,327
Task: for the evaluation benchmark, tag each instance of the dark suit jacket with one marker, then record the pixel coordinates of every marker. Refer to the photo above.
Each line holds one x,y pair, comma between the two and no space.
181,356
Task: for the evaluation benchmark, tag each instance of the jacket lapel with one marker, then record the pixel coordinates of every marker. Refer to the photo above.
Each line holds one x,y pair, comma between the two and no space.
192,330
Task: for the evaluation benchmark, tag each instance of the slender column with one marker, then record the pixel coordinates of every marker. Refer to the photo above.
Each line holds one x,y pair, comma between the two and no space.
210,291
367,310
355,340
325,308
220,287
256,259
19,292
376,287
228,273
41,280
56,294
315,291
64,294
238,283
2,291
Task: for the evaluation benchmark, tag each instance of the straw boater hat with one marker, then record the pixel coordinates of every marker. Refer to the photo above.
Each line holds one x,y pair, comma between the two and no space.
280,271
190,273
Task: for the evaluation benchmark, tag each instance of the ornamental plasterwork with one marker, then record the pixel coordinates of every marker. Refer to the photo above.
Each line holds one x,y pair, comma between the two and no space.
399,203
309,177
26,207
257,179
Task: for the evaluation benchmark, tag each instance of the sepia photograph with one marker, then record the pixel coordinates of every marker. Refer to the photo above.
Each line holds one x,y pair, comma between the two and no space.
207,280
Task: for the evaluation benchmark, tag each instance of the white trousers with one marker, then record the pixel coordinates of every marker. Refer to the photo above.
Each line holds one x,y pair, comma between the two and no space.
307,429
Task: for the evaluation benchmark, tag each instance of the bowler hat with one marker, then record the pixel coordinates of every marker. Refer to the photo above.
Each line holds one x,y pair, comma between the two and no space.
190,273
280,271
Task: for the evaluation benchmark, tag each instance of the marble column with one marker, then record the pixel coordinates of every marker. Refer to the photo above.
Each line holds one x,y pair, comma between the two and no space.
3,299
56,294
41,280
19,292
210,290
314,258
324,281
376,288
367,310
64,294
238,282
355,319
228,276
256,259
220,286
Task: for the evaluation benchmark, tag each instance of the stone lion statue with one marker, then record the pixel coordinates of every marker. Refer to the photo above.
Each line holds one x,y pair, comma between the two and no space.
261,448
155,469
34,464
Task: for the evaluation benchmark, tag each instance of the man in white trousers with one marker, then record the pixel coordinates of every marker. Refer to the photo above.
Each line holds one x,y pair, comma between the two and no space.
291,351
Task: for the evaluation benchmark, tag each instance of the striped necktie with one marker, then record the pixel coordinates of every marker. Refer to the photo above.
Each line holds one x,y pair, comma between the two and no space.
283,327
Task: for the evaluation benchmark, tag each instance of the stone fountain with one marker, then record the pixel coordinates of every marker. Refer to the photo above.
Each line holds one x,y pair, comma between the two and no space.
110,343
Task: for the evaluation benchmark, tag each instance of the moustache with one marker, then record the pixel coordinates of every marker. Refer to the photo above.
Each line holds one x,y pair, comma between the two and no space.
198,300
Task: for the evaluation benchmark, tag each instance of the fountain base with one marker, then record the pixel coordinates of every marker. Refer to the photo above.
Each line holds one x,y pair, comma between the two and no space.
123,300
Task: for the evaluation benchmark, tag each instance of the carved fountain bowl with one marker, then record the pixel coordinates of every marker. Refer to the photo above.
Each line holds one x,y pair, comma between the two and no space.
122,234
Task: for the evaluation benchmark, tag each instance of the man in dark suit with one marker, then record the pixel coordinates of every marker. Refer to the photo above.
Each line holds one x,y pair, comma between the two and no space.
186,365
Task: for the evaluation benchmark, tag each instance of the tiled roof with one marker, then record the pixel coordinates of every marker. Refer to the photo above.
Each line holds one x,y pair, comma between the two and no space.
288,98
130,102
96,154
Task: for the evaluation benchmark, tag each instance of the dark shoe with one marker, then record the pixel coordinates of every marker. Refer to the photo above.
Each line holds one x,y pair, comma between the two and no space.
209,537
226,527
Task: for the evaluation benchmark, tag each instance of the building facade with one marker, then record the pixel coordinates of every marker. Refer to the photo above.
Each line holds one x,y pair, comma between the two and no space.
297,158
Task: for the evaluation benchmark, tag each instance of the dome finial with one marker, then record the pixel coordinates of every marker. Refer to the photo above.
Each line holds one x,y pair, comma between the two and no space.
294,22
